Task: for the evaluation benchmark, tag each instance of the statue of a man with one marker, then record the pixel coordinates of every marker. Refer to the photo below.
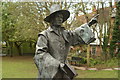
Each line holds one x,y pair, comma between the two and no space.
54,44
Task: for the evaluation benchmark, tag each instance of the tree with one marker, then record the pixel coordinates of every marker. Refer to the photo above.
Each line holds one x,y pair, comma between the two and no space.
8,28
0,21
116,30
20,23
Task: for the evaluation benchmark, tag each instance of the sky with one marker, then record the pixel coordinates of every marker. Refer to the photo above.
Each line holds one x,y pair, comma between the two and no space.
57,0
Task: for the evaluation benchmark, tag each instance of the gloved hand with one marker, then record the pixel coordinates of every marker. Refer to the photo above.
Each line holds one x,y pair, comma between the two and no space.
62,65
93,20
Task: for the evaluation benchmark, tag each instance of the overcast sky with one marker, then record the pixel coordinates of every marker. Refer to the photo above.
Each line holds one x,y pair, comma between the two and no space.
58,0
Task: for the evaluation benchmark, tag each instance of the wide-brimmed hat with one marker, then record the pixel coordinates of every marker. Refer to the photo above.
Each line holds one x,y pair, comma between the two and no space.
56,9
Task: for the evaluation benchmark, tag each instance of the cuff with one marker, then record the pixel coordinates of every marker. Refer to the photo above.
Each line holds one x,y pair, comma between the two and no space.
85,32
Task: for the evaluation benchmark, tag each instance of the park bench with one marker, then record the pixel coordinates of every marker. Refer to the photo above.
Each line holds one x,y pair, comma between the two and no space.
75,61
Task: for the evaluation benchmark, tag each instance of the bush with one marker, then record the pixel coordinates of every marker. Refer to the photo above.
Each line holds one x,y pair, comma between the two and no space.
112,62
94,62
83,60
97,62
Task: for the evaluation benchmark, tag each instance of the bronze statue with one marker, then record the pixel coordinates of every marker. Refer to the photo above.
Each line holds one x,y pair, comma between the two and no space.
53,45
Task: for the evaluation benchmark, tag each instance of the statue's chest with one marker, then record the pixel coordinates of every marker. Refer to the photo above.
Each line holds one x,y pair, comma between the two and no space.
56,40
58,47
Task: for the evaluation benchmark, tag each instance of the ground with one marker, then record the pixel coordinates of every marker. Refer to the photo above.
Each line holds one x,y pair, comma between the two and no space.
24,67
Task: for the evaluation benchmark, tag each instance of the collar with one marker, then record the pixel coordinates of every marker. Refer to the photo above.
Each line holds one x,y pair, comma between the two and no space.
55,29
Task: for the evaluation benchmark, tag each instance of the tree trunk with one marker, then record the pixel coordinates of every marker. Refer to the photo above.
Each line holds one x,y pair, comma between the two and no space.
10,47
18,48
88,55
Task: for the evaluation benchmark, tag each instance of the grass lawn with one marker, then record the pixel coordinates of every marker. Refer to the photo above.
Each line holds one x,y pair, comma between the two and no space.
97,74
18,67
24,67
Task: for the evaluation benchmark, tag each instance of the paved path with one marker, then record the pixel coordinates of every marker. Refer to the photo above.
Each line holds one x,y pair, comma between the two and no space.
85,68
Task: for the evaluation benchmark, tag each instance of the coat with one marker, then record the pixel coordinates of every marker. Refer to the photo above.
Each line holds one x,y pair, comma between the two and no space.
52,49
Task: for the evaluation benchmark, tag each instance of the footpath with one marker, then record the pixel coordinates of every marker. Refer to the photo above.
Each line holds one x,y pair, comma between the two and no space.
86,68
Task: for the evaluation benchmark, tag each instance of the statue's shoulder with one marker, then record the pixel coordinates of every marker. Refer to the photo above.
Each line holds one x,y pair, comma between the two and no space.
43,33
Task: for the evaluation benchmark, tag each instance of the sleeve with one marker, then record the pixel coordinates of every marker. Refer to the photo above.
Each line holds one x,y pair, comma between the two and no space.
41,50
41,45
43,60
81,35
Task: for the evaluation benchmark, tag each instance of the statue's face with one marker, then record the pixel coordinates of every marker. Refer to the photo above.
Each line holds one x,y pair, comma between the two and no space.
57,20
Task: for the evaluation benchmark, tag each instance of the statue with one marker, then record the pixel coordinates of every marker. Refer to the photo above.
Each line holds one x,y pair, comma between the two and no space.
53,45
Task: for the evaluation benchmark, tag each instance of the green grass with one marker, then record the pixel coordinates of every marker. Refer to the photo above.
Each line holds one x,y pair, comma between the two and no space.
0,68
18,67
97,74
24,67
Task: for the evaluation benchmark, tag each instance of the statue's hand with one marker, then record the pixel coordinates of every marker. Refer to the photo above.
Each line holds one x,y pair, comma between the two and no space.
62,65
93,20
